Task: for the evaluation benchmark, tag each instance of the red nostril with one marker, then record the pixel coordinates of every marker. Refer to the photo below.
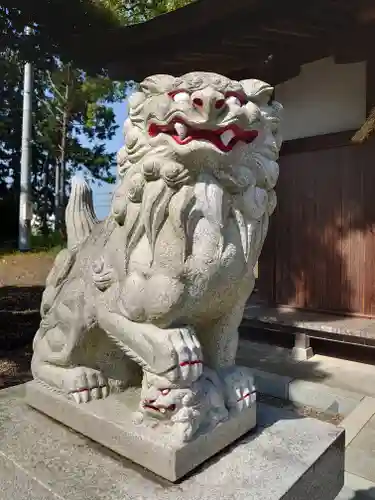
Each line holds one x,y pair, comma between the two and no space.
219,103
198,102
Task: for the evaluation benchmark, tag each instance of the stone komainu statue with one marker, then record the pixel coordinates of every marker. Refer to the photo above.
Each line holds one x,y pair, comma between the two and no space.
153,295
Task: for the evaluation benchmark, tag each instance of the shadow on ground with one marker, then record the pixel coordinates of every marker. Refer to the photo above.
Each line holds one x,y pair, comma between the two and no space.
19,321
23,299
15,366
367,494
278,360
19,315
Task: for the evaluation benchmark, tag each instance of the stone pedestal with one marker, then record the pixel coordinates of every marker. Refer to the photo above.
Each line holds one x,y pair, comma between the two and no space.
287,457
110,422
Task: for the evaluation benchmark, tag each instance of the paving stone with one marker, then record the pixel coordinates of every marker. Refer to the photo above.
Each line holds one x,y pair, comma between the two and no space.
272,384
358,418
15,484
357,488
360,454
324,398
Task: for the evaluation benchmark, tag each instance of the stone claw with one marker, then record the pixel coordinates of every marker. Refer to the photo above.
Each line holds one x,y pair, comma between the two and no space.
188,353
87,384
76,397
239,388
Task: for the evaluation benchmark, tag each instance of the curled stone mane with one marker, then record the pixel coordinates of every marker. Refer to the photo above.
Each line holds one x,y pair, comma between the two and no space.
143,198
154,182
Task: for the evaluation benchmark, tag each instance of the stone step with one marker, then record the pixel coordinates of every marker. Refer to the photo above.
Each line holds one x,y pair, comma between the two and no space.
320,382
284,458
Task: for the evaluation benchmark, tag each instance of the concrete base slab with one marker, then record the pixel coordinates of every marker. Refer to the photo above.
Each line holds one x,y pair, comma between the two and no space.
110,422
287,458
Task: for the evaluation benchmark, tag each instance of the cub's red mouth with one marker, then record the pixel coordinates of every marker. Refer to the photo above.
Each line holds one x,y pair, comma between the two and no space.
224,138
158,409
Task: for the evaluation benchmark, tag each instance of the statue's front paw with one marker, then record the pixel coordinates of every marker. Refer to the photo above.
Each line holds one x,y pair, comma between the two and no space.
187,351
85,384
239,389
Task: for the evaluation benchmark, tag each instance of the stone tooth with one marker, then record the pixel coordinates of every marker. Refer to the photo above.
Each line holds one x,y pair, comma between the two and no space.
181,97
227,136
162,410
181,130
76,397
234,100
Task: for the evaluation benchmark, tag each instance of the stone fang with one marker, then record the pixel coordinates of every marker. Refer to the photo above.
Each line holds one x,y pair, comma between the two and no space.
234,100
227,136
181,130
181,97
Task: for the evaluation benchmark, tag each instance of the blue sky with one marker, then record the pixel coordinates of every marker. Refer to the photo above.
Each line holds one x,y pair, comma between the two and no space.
102,194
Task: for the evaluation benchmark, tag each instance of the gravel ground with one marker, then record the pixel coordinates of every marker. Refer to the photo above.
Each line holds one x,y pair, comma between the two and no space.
15,366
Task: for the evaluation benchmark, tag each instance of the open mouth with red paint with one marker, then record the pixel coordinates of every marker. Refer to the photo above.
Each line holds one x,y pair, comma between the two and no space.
162,410
224,138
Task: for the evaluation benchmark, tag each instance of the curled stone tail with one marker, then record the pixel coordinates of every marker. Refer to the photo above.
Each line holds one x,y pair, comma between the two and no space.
80,217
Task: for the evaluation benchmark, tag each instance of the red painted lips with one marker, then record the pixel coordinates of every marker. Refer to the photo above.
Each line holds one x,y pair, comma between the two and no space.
223,138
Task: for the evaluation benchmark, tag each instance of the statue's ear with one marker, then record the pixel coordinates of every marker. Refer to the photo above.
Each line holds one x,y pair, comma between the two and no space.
158,84
257,91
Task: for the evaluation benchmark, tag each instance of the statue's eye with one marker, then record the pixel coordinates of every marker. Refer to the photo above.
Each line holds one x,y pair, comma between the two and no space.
234,99
180,96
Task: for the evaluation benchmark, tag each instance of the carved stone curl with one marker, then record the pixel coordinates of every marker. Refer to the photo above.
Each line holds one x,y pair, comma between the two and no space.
160,286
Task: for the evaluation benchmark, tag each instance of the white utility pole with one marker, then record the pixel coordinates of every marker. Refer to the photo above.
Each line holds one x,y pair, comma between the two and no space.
25,202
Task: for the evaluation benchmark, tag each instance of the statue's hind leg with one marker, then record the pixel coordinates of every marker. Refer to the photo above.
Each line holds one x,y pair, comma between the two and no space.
59,358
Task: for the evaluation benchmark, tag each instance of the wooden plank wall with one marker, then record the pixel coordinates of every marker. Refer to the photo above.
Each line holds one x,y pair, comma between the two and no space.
320,250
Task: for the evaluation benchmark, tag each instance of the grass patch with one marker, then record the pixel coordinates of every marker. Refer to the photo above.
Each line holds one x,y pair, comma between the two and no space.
50,244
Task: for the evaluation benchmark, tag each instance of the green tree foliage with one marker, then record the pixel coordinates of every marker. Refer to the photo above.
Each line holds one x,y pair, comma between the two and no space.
58,22
73,119
90,124
135,11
